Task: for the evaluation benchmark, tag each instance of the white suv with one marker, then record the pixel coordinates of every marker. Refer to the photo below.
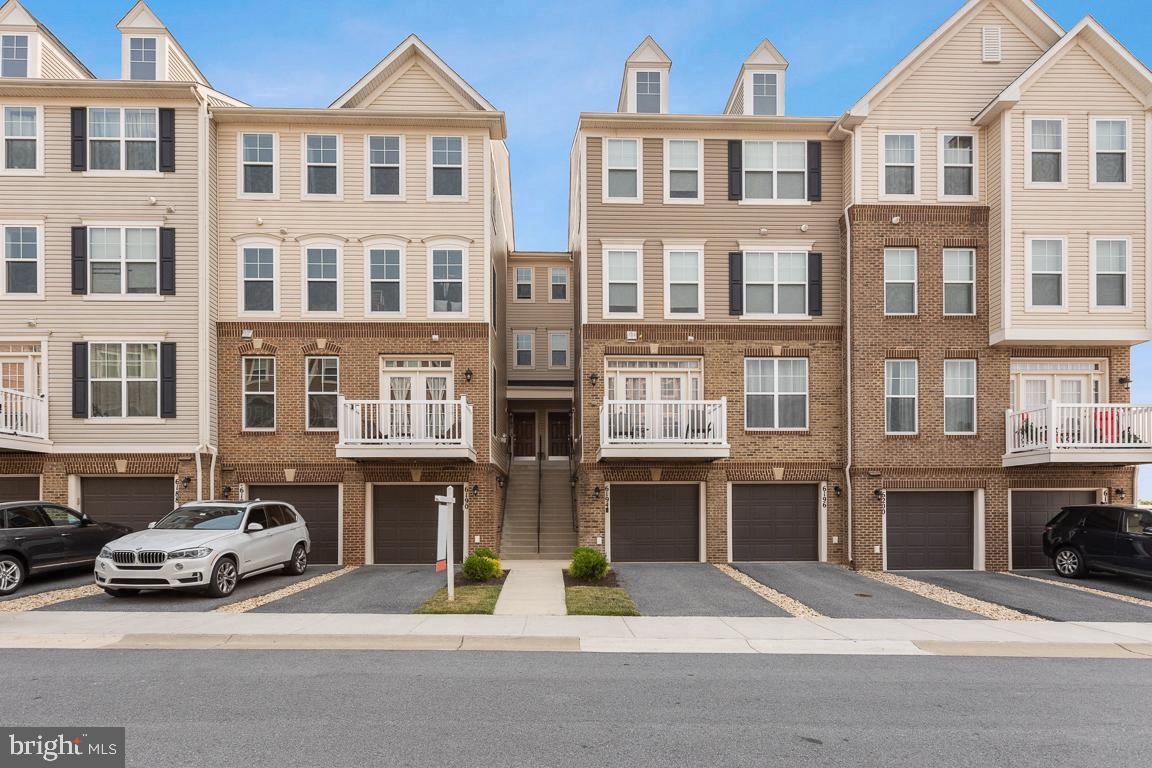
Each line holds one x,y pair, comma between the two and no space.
210,545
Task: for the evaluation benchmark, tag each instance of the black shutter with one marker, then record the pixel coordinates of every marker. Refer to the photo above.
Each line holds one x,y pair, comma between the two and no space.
736,283
168,380
79,139
735,170
167,140
815,284
79,260
167,261
79,380
814,184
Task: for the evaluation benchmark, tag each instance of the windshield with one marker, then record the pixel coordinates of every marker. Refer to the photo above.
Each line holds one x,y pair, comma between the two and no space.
202,519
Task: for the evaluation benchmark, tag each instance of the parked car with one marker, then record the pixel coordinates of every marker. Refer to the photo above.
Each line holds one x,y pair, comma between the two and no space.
207,545
38,536
1101,537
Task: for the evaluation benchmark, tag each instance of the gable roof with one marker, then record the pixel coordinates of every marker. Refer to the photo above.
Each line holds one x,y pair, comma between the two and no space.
141,18
647,54
1130,71
763,56
15,14
394,62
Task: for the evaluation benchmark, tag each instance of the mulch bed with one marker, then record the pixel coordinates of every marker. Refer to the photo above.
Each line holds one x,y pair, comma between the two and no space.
609,580
463,582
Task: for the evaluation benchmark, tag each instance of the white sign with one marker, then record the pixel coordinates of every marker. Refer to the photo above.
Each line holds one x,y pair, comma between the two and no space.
444,543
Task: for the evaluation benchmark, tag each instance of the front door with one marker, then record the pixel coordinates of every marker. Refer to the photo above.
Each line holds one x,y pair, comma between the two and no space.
559,434
407,420
524,435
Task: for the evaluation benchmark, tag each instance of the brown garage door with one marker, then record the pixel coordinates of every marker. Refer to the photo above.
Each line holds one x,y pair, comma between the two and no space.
320,507
19,488
1031,511
775,522
404,523
930,530
655,523
131,501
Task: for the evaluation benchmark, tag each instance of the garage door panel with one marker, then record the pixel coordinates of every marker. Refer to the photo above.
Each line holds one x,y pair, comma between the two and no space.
131,501
775,522
19,489
319,505
655,523
930,530
1031,511
404,521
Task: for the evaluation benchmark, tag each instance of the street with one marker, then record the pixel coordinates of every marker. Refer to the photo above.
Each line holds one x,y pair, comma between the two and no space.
344,709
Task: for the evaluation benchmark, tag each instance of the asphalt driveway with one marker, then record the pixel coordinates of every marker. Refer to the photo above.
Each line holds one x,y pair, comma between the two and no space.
1105,582
689,589
46,582
370,589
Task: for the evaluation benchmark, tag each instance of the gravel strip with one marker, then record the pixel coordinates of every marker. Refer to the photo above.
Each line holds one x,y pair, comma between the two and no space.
948,597
780,600
43,599
1090,590
255,602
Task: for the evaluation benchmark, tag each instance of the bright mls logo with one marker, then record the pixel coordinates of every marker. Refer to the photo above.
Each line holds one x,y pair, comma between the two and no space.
64,747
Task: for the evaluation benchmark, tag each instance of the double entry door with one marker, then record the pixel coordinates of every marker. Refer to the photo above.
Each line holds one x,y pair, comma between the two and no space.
418,400
654,403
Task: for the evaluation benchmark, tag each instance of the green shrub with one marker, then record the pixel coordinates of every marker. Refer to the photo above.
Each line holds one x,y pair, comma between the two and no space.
480,568
485,552
587,564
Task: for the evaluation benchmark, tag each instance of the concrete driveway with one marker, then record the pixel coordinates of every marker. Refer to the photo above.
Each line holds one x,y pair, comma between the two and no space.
46,582
689,589
839,593
370,589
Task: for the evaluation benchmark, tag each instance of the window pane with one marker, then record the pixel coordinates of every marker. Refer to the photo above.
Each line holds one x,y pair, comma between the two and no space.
1111,136
758,185
1110,290
258,179
758,267
793,299
322,264
901,414
791,156
104,123
959,414
958,266
683,184
141,277
447,150
142,398
758,155
684,298
104,155
447,181
1046,167
105,277
899,298
758,299
621,153
622,266
322,149
322,410
385,297
899,264
1110,168
447,297
793,411
1047,256
384,150
20,154
107,399
958,150
385,181
321,296
683,154
900,149
761,410
141,244
258,147
958,299
258,296
621,183
140,123
321,180
259,263
622,297
259,411
21,277
1047,134
790,186
959,378
1046,290
899,180
683,267
958,181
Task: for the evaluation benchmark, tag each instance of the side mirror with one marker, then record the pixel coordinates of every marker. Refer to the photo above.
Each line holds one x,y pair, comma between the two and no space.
1148,530
151,525
85,520
253,528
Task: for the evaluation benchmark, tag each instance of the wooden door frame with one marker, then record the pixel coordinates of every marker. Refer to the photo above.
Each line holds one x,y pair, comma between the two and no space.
535,435
548,436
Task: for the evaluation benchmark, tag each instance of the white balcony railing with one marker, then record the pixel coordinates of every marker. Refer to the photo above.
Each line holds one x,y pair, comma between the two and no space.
1080,429
668,427
23,415
405,428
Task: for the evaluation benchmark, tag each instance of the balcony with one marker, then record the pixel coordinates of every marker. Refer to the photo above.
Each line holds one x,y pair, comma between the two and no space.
23,421
1079,433
664,429
405,429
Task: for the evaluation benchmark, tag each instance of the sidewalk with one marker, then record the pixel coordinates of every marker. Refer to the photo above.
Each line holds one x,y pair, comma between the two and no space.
598,634
533,588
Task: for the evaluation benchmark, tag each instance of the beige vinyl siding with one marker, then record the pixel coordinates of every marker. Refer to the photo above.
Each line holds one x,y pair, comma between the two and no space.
542,317
415,219
847,171
719,223
942,94
62,199
415,90
738,98
993,162
178,70
52,63
1079,212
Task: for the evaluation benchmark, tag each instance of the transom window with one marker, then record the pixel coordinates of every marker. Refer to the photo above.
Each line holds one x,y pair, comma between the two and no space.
776,393
122,139
123,260
1111,273
959,164
559,282
259,279
764,94
959,281
142,58
384,166
622,166
775,283
623,281
20,138
558,349
899,281
525,341
322,385
447,280
259,163
683,169
259,393
959,396
1046,272
684,282
900,158
13,55
322,161
648,92
384,280
1046,164
523,283
124,380
1110,164
447,166
775,170
900,393
323,280
21,260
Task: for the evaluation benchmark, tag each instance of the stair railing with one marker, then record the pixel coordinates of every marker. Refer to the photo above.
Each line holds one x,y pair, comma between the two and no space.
539,485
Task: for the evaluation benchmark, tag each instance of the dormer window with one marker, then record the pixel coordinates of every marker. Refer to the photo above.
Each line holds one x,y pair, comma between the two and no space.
648,92
13,55
765,93
142,58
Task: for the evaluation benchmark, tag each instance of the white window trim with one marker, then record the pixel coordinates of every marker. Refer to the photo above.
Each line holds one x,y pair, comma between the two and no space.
745,200
748,91
39,169
1092,152
257,242
638,248
1063,183
1092,305
157,419
516,351
123,295
308,393
304,193
240,193
699,199
945,282
639,198
669,247
567,286
450,244
39,295
463,196
915,283
1028,305
275,396
776,393
944,401
34,46
942,139
380,244
775,250
531,284
305,245
403,194
915,397
161,57
882,194
88,139
567,350
633,91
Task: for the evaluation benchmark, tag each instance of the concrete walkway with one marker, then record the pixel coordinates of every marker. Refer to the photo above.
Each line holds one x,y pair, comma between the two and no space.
533,588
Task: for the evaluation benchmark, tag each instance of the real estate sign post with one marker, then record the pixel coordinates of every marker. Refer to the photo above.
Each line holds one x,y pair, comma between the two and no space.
444,543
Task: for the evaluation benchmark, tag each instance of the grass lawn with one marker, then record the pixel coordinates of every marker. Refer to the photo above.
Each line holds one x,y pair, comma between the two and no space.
471,598
599,601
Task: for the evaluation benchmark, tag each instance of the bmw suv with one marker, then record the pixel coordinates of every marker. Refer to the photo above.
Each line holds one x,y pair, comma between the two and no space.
1100,537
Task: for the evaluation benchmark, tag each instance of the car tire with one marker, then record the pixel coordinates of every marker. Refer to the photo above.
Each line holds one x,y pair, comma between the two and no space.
116,592
12,574
1069,563
225,577
299,562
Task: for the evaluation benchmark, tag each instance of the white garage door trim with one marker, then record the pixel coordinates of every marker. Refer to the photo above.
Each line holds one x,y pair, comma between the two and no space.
702,516
339,510
370,517
75,484
822,512
978,536
1101,498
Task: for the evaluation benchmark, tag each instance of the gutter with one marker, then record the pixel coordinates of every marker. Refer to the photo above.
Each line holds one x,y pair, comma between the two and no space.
205,324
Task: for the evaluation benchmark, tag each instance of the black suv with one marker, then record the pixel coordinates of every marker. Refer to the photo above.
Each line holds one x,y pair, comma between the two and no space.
36,536
1101,537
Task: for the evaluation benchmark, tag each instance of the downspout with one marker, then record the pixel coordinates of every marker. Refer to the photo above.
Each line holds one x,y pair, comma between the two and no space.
848,367
205,325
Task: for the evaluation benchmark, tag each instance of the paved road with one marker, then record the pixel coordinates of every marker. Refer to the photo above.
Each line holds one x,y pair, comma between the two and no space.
338,709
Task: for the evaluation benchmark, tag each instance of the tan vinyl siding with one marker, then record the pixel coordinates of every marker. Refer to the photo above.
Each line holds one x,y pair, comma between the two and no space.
179,71
53,65
415,90
847,171
719,223
993,159
738,98
541,316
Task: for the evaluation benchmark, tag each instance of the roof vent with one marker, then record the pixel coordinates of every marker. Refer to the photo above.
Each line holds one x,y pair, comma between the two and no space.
992,48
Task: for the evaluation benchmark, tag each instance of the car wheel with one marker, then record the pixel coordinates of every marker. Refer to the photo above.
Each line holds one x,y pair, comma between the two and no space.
12,574
299,562
1069,563
121,592
224,578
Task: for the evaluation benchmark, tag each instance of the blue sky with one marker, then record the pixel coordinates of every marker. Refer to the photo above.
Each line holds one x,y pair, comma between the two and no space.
544,63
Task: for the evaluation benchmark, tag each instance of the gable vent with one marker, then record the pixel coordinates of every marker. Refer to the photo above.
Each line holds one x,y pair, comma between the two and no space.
992,44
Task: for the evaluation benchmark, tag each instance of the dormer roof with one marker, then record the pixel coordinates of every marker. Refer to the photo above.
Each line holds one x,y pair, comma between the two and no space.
647,56
14,15
765,57
142,20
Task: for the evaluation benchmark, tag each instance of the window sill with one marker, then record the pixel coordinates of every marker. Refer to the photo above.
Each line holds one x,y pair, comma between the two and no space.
958,314
258,315
384,315
123,297
684,316
790,318
746,201
901,435
269,431
446,198
322,430
128,174
329,198
799,431
958,199
22,172
257,196
901,315
961,435
898,198
683,201
1116,185
139,420
622,316
1062,310
622,200
1045,185
384,198
1111,310
22,297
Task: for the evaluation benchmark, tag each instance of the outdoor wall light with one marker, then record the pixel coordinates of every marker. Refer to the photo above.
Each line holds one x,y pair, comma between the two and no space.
226,491
836,489
468,375
185,481
500,481
1126,382
572,481
475,490
593,377
1118,493
246,333
878,493
596,492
